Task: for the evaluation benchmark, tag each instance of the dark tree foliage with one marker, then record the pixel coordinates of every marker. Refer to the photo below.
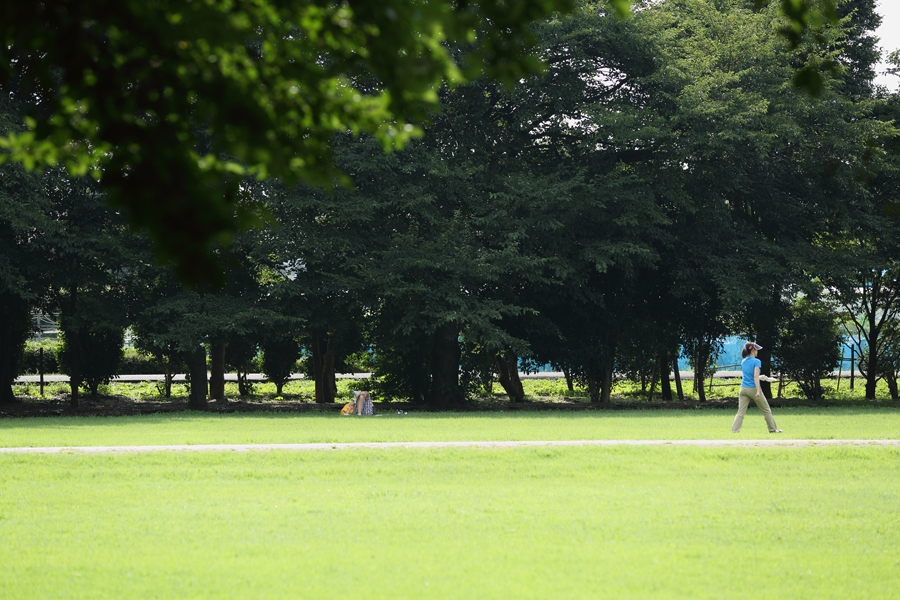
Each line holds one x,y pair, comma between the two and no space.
15,327
809,346
281,350
89,276
130,90
859,48
241,352
91,354
24,218
657,187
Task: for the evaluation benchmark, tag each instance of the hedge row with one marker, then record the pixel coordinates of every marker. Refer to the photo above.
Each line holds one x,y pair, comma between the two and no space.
133,362
31,361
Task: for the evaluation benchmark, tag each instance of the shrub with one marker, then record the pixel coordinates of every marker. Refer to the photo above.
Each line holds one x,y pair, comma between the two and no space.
359,362
31,360
241,357
402,369
98,351
165,355
280,354
135,362
810,346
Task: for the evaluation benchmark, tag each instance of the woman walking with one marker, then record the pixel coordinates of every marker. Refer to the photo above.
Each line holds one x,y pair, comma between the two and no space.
751,390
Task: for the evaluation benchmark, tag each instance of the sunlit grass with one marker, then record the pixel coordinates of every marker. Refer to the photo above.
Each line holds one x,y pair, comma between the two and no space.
627,523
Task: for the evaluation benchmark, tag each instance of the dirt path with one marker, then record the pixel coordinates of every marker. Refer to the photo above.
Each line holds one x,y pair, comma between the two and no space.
478,444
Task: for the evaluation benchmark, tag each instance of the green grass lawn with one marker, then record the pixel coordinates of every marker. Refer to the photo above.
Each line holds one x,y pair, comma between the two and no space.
259,428
574,522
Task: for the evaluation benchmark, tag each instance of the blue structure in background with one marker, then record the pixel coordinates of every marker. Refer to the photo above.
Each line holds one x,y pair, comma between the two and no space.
731,355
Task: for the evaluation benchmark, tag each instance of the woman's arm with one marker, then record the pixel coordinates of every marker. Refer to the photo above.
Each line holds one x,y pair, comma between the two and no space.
756,380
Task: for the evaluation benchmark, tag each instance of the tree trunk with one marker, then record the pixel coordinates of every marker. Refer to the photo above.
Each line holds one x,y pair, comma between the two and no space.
701,391
8,341
508,376
167,361
871,374
323,366
445,358
243,388
217,372
417,375
606,382
75,353
696,359
678,388
765,358
488,377
700,370
329,377
75,368
892,386
318,372
196,361
7,351
6,394
653,384
593,385
570,385
513,366
665,385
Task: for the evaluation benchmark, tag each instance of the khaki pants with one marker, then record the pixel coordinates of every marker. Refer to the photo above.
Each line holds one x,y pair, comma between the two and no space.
746,395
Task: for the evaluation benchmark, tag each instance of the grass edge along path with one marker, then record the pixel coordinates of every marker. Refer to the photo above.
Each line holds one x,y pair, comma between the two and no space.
466,444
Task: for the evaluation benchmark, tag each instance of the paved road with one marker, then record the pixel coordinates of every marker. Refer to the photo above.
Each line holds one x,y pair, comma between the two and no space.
772,442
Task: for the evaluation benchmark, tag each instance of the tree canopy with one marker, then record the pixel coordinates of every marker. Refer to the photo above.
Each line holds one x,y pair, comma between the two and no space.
659,184
170,103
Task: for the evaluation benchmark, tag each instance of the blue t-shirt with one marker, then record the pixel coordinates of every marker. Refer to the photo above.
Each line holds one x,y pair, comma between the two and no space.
747,366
